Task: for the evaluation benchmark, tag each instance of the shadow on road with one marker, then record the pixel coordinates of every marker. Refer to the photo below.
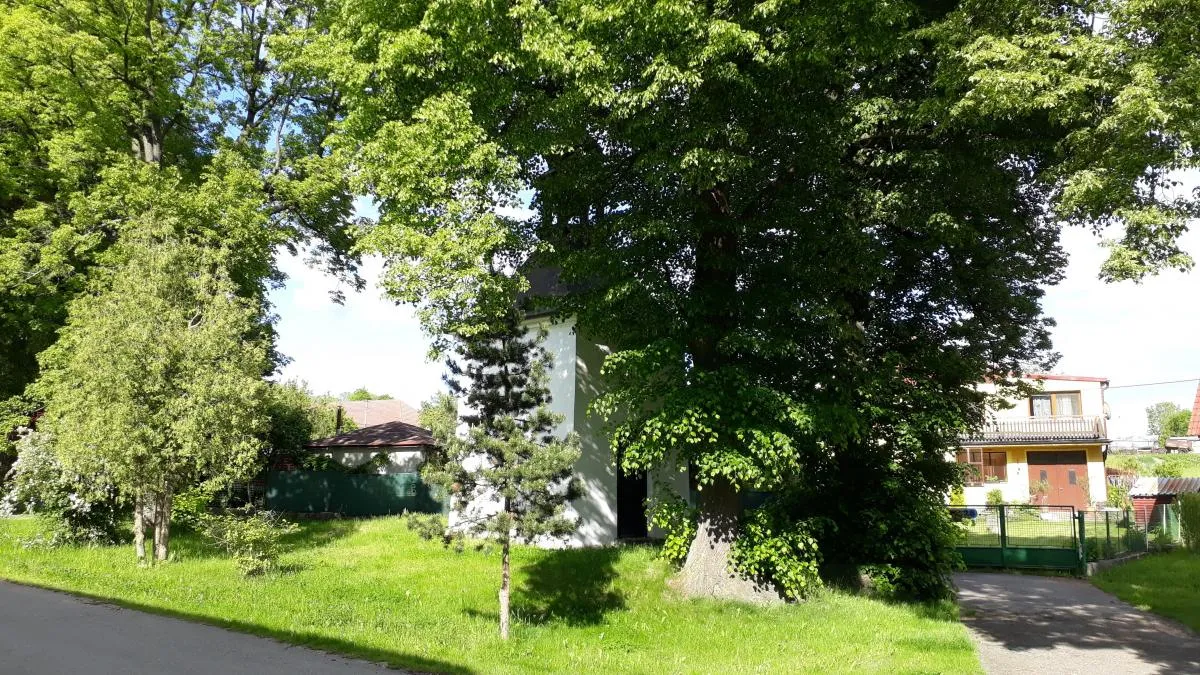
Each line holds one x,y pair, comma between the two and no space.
1024,613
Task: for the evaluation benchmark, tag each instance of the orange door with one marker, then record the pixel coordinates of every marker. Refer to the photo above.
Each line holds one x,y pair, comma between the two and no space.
1065,472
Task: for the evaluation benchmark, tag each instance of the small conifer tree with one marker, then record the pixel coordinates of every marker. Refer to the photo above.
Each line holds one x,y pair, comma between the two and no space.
509,477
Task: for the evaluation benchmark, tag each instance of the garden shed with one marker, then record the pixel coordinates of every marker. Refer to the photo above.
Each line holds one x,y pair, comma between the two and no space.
371,471
1153,496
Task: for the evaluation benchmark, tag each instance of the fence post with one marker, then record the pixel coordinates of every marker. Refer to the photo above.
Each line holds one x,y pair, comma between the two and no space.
1107,534
1003,537
1080,548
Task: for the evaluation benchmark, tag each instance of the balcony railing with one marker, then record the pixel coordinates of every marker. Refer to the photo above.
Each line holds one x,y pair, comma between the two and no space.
1040,429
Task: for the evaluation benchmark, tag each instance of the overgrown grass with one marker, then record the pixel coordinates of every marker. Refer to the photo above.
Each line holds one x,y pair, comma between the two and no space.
1188,464
1164,583
373,589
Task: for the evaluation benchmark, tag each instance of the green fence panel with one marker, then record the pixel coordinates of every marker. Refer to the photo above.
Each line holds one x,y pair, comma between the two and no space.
350,494
1019,536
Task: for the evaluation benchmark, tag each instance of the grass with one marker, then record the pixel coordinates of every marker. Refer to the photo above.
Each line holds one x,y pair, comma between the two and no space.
1189,464
373,589
1164,583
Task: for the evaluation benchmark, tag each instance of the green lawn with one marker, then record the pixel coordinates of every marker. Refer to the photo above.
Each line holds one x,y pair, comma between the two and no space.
371,588
1164,583
1189,464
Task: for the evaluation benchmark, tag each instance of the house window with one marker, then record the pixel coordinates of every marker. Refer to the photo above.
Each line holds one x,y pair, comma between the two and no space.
984,466
1055,404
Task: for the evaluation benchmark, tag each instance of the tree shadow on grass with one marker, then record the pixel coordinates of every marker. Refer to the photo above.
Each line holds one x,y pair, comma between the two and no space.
410,662
573,586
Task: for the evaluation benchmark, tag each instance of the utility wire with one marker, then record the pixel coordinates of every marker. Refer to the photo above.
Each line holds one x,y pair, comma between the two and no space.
1151,384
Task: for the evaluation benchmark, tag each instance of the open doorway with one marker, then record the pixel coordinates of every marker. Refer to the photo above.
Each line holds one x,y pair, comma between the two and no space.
631,505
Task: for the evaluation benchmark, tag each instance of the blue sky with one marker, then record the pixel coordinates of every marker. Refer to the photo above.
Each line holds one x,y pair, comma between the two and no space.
1130,333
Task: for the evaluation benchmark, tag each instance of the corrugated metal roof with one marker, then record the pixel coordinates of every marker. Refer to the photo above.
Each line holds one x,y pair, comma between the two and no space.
1151,486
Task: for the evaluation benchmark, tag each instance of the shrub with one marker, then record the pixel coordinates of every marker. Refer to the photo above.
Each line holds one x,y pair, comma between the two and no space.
1118,496
189,508
995,497
672,514
1189,520
1160,539
428,526
79,509
254,540
1170,467
957,498
770,548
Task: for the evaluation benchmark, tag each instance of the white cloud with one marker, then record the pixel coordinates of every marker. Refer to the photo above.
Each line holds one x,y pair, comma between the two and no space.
368,341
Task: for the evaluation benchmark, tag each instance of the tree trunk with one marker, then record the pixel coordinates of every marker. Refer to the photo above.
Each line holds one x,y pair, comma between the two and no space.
707,572
139,529
505,578
162,526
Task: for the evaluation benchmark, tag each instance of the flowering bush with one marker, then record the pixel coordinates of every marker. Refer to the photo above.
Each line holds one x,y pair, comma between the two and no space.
78,509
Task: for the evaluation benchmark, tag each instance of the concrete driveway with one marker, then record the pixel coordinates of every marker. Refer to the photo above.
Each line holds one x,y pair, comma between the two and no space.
1033,624
48,633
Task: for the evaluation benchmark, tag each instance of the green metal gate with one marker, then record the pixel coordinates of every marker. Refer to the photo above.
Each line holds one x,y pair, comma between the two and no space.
349,494
1020,536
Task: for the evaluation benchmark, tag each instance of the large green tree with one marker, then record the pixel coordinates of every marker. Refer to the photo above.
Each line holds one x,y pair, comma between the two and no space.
103,104
1165,419
156,381
805,229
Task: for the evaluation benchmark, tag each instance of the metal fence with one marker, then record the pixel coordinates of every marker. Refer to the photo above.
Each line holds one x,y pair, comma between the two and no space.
1165,519
1044,537
349,494
1110,533
1019,536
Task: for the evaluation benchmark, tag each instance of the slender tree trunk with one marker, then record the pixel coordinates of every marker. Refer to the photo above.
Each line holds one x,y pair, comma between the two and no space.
162,526
707,572
139,528
505,578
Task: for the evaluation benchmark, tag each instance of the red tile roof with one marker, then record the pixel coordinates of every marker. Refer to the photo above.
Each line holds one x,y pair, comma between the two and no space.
390,434
371,413
1194,426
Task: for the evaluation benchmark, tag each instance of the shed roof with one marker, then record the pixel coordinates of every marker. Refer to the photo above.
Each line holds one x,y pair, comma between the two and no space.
388,435
1152,486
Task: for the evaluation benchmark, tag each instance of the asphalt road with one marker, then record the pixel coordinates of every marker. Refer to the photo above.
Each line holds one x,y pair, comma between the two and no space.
1034,624
48,633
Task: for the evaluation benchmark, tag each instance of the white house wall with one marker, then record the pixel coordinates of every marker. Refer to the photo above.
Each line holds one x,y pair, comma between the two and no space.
597,508
399,461
1091,396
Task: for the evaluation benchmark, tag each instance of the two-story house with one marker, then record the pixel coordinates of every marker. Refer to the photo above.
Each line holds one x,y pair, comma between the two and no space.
1045,449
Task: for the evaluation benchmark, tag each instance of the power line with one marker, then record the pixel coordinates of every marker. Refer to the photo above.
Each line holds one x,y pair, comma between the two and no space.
1151,384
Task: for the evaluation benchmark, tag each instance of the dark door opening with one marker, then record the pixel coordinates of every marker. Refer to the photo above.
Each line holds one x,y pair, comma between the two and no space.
631,506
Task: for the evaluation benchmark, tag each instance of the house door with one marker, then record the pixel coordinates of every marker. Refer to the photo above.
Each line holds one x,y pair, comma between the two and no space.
631,505
1060,477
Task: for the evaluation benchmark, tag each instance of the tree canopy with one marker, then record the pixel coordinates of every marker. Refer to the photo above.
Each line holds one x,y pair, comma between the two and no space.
156,381
806,230
362,394
103,106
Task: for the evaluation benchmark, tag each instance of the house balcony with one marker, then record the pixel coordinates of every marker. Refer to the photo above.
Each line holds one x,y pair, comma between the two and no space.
1057,429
